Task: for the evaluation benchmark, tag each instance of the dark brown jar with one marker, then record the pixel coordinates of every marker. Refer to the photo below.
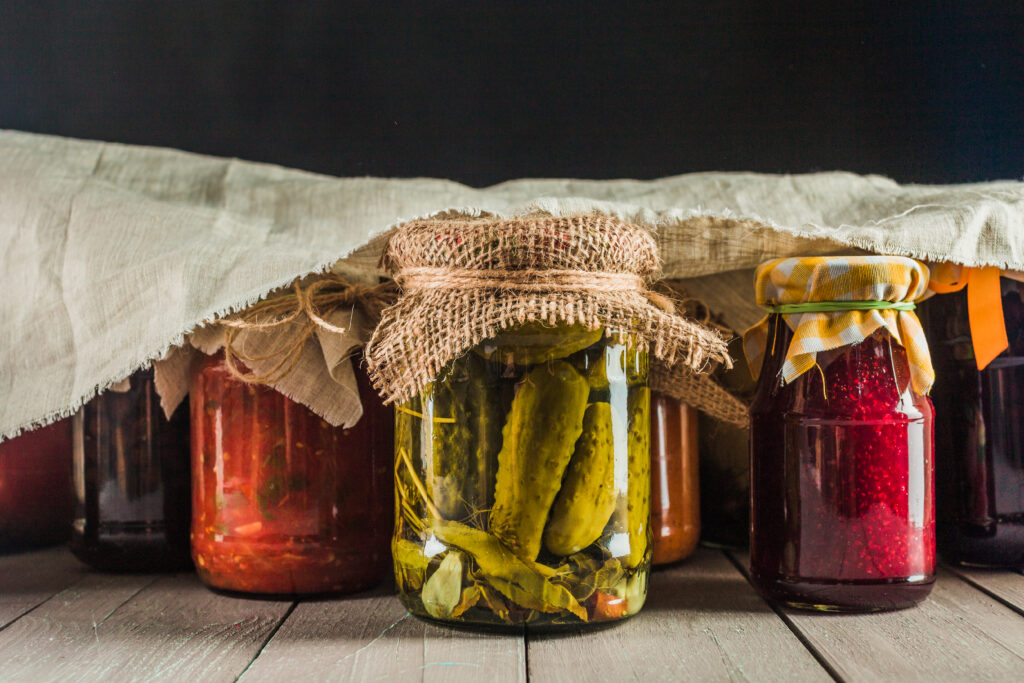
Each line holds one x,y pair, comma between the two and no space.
979,436
284,503
131,470
675,498
725,465
35,487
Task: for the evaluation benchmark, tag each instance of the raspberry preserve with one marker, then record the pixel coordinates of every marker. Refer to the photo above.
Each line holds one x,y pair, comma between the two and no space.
283,502
131,481
35,487
841,479
980,439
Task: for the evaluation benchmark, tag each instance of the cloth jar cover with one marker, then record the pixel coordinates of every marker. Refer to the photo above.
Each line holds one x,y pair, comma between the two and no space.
112,253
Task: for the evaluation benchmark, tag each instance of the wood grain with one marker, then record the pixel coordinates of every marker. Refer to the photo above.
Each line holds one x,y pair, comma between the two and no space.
28,579
372,637
49,642
702,622
173,629
958,633
1007,586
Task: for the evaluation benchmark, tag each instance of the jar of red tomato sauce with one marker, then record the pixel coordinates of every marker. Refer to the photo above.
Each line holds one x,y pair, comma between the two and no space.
842,515
675,499
35,487
283,503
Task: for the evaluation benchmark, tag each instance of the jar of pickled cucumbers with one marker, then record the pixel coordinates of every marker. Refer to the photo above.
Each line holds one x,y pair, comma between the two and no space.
517,359
524,482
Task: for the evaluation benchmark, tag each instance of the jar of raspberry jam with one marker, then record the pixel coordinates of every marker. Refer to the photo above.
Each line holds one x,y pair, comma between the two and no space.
979,452
35,487
842,508
131,481
675,500
283,502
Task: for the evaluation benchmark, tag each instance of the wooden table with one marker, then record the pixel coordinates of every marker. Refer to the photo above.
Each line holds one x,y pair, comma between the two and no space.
703,621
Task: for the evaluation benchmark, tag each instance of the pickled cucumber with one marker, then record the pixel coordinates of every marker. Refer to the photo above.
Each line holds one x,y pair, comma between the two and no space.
451,442
485,416
638,497
538,440
536,342
587,497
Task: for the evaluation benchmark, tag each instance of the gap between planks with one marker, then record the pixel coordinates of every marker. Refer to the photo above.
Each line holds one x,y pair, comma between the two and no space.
959,632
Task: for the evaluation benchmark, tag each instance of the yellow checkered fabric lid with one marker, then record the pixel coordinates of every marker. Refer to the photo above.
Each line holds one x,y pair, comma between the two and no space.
878,281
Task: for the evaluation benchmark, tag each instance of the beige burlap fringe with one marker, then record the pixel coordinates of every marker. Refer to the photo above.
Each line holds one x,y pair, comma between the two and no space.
465,280
296,315
700,391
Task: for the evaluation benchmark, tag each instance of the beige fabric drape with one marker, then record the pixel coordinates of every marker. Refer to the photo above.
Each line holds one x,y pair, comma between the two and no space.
113,253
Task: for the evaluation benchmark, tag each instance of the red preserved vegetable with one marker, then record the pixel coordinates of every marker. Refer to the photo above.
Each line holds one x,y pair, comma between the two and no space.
35,487
284,503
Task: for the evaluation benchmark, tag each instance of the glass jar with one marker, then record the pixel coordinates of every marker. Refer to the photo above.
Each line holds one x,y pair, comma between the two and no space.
979,451
842,513
284,503
523,483
725,464
131,481
35,487
675,500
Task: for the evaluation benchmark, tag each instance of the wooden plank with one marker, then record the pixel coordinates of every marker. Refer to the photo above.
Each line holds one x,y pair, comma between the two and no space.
173,629
47,643
1007,586
702,622
28,579
958,633
371,636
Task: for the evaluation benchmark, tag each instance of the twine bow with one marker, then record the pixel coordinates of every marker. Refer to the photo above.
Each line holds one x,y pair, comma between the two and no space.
304,309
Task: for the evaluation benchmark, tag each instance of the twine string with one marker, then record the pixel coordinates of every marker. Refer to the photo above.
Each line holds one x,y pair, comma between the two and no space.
833,306
528,280
303,309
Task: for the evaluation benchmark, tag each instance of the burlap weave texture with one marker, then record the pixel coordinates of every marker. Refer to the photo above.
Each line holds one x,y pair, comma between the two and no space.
465,281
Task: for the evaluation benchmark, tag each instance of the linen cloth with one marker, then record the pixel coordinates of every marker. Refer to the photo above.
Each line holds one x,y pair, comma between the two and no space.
892,279
112,253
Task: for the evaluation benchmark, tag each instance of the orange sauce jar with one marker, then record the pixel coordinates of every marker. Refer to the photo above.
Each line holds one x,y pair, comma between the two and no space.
284,503
675,495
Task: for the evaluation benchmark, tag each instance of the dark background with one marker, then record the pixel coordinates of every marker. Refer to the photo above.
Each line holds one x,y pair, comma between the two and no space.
486,91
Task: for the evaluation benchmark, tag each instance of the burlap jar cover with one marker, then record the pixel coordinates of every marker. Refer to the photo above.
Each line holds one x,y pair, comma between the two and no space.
466,280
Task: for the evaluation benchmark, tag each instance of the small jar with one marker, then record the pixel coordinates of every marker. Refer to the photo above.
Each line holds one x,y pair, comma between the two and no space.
35,487
675,497
979,446
283,502
842,511
132,480
523,483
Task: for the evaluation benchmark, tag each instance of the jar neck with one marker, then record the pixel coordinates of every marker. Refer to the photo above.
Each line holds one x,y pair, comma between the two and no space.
842,377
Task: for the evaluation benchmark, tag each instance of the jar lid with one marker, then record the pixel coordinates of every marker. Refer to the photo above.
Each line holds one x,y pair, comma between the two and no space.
860,294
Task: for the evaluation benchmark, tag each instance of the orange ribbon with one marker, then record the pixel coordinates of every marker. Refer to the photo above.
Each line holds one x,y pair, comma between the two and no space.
984,306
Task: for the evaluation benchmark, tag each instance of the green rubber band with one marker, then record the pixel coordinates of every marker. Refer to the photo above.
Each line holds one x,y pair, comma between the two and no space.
832,306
